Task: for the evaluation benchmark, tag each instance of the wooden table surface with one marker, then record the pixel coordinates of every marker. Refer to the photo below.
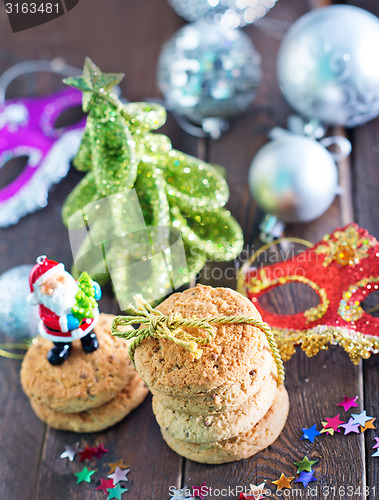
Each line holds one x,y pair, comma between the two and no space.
126,35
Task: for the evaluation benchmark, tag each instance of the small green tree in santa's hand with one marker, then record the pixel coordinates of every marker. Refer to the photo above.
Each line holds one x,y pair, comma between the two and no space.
85,298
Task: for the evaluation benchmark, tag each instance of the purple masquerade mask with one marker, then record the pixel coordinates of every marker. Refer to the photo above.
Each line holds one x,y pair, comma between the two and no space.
27,129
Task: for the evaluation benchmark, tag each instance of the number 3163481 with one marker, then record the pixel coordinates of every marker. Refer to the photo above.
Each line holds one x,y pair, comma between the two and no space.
32,8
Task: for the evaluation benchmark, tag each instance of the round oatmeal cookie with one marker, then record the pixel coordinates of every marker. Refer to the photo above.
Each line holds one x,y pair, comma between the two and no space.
216,426
245,445
232,396
234,352
99,418
83,381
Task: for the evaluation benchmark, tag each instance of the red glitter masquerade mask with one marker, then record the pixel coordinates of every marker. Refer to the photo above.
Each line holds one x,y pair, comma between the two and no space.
343,269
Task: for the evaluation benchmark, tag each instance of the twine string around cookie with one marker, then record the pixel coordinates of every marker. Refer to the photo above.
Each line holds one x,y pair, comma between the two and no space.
170,327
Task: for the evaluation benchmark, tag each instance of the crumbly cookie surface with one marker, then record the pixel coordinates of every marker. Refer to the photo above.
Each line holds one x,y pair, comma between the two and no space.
99,418
228,397
83,381
216,426
174,370
245,445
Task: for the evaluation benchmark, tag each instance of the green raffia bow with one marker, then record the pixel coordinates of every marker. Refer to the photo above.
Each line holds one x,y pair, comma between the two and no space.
119,152
7,349
159,326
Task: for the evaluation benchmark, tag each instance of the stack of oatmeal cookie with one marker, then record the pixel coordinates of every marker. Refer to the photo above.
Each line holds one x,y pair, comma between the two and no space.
88,392
226,405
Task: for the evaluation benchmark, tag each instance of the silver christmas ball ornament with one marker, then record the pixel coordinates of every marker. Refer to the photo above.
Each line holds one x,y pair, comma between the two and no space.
294,178
208,71
18,318
230,13
328,65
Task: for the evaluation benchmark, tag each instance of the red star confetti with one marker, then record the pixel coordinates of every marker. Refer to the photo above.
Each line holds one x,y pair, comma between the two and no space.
348,403
283,482
376,445
86,454
332,424
105,484
99,451
200,491
249,497
369,425
351,426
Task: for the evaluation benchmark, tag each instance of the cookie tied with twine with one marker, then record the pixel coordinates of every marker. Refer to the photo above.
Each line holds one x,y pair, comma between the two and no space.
156,324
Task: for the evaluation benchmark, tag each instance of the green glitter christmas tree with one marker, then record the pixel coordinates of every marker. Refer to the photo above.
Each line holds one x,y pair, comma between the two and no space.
85,298
119,152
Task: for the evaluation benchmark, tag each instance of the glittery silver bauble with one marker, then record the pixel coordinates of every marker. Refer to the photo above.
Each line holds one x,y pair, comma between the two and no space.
294,178
230,13
328,65
17,318
206,71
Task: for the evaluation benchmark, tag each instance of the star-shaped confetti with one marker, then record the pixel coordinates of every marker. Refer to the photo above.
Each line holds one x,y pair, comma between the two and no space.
105,484
119,475
368,425
376,454
84,475
310,433
70,452
116,492
99,451
305,464
350,426
180,494
93,81
305,478
200,491
257,491
326,430
348,403
114,465
334,422
376,445
86,454
283,481
249,497
361,418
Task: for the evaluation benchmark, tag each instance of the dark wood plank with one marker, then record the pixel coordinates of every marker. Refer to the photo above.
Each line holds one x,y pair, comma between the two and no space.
366,187
119,36
307,379
137,440
21,435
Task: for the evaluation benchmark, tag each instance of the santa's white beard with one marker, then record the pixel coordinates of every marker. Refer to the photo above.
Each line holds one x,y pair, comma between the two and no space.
62,299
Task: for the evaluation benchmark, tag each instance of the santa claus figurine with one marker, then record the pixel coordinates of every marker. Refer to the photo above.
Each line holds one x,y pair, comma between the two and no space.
56,292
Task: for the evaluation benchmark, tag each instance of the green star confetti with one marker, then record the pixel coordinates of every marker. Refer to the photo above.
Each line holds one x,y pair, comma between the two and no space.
119,152
305,464
84,475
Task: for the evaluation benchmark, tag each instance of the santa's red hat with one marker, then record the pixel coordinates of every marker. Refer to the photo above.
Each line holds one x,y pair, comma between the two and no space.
40,272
